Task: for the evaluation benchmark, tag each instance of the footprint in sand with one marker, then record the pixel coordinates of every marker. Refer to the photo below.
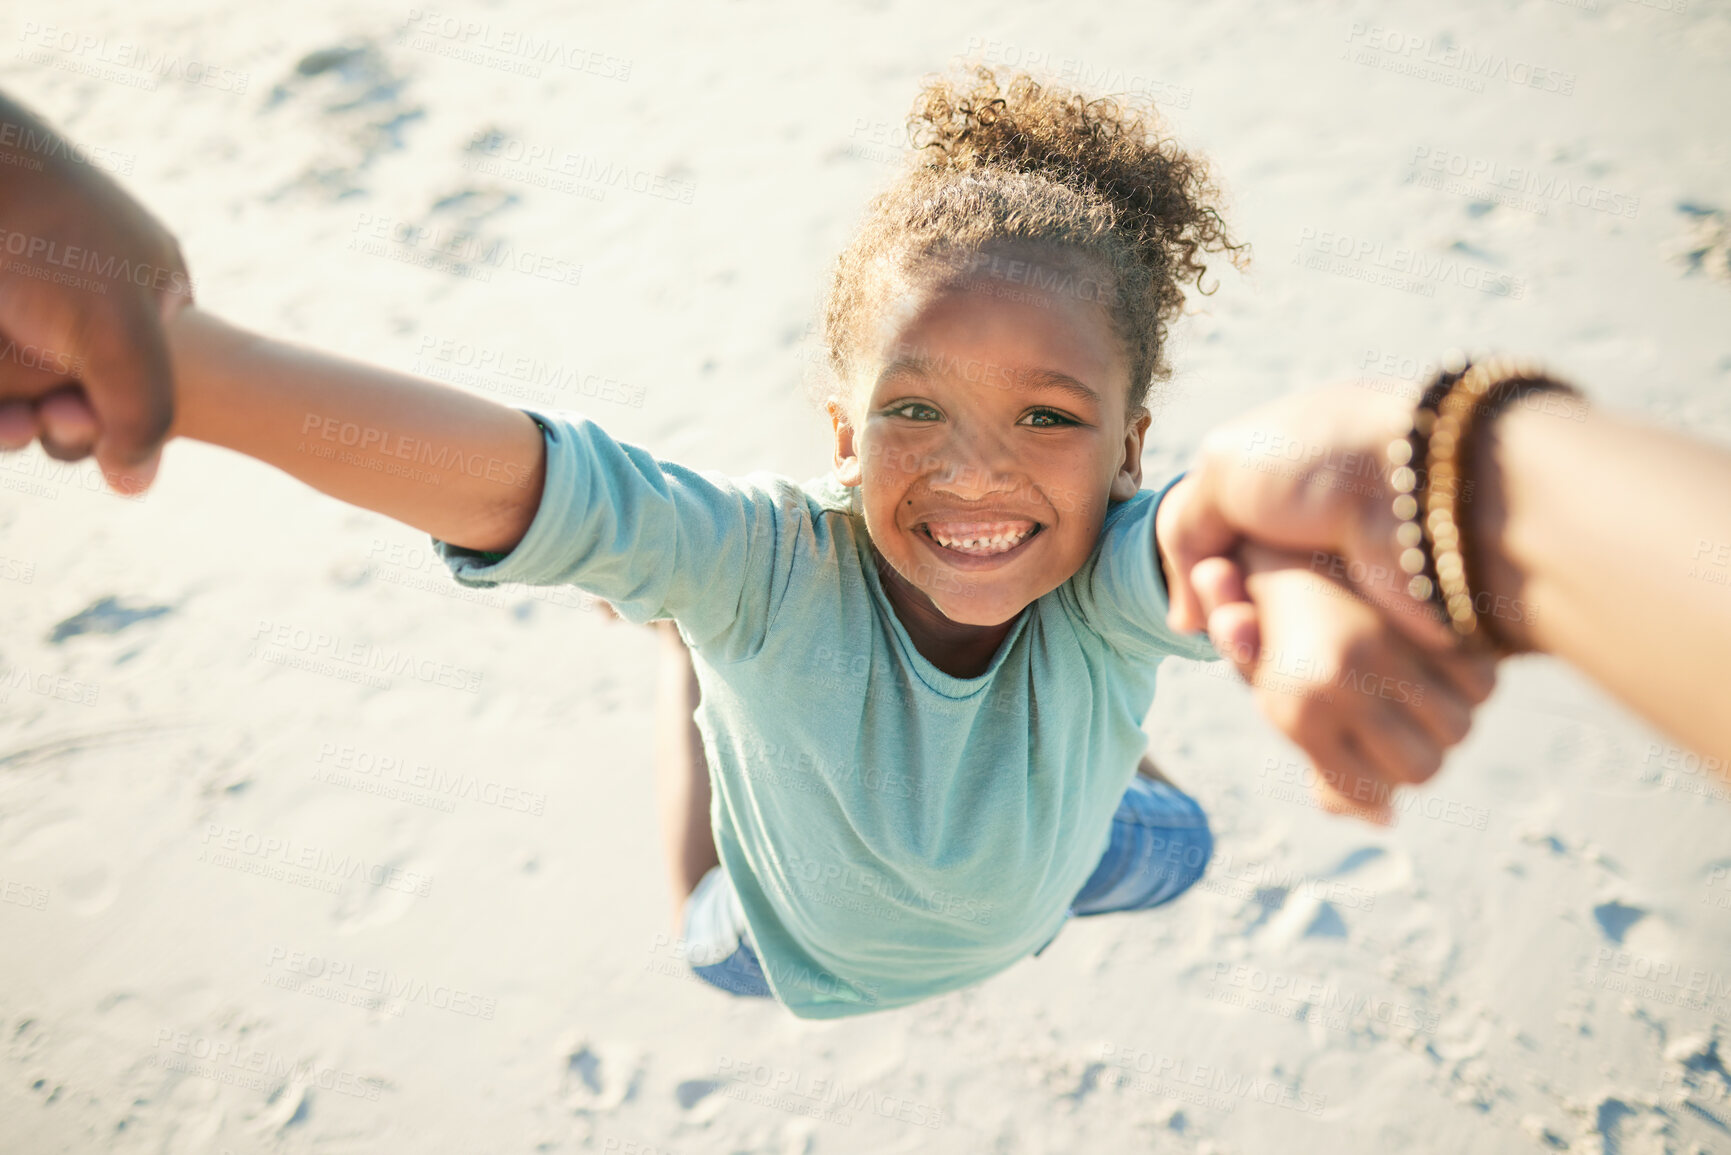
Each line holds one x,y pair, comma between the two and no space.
597,1078
1318,908
693,1091
106,616
1376,869
354,96
362,903
68,857
1616,918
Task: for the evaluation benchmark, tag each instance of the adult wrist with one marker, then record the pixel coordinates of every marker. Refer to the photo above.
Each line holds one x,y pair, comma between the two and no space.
1456,552
1494,532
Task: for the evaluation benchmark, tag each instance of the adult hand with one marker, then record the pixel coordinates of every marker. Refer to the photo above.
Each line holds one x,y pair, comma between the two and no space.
88,278
1309,473
1372,709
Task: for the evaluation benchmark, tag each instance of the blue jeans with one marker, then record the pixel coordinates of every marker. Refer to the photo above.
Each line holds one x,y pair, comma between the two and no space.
1160,846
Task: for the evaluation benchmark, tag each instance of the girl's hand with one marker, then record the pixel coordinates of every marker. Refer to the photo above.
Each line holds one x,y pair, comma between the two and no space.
1372,709
1307,472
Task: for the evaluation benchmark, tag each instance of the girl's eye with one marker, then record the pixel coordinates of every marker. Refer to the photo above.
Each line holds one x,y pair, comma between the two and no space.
1047,419
917,410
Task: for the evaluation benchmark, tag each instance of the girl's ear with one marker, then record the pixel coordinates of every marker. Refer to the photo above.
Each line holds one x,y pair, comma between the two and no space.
847,463
1129,476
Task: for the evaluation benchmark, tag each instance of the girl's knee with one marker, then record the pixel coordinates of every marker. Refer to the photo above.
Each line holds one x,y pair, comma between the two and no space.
1197,855
1184,855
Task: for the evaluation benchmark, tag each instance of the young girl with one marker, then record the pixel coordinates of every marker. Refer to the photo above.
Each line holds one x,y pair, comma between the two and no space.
919,682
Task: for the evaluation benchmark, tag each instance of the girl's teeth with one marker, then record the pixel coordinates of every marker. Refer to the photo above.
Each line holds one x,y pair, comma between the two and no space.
993,543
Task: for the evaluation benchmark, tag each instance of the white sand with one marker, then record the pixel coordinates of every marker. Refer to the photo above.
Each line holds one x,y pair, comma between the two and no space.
1461,970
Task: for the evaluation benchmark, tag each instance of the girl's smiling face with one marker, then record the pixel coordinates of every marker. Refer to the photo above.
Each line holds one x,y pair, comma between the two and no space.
995,431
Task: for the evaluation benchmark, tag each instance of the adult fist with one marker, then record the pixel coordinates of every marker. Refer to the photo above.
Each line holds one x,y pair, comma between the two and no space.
1309,473
87,280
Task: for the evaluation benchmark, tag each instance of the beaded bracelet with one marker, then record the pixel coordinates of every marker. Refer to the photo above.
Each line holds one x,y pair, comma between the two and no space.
1462,398
1406,457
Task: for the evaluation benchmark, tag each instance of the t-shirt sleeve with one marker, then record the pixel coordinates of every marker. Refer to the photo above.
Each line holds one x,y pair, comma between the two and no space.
652,537
1120,591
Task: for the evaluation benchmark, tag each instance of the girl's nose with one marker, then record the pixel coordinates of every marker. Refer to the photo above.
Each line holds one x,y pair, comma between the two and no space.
974,464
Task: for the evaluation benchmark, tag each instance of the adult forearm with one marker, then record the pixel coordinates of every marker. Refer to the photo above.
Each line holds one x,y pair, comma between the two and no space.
464,469
1617,538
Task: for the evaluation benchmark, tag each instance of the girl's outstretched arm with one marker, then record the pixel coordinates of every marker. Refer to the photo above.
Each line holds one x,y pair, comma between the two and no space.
464,469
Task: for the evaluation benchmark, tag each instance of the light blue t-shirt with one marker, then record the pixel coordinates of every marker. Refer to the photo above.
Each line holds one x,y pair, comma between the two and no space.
893,832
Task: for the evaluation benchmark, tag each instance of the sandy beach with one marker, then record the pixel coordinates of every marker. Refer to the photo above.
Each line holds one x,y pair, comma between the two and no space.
305,848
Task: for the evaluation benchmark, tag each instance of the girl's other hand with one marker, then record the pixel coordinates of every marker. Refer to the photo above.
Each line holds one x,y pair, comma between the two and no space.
1372,709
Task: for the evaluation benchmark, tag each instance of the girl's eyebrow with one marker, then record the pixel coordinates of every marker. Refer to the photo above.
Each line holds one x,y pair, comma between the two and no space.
984,372
1052,379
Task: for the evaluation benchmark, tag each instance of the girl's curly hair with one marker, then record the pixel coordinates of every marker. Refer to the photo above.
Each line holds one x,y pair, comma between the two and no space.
1089,193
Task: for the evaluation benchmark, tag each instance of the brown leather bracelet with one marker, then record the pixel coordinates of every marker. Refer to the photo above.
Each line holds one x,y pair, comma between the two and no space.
1470,404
